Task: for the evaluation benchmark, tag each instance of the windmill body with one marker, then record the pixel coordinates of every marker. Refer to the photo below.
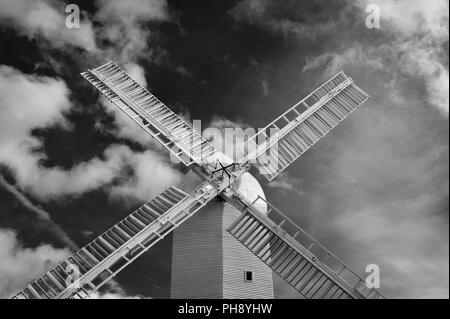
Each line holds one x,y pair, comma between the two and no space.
228,238
207,262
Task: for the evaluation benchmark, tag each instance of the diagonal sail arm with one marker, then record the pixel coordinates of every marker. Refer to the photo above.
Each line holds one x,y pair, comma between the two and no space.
150,113
293,254
95,264
286,138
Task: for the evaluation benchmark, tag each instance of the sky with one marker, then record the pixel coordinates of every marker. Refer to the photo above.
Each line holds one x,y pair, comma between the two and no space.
374,191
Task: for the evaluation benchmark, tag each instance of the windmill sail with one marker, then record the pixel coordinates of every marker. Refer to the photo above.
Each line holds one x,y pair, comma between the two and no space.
289,251
296,130
150,113
104,257
294,255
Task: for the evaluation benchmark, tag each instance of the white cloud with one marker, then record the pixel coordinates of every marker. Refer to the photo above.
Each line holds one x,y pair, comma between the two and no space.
392,218
124,26
261,13
41,214
32,101
420,31
21,265
126,128
409,17
137,72
35,18
228,137
29,102
111,295
134,11
384,198
249,10
422,58
151,174
286,182
265,87
335,62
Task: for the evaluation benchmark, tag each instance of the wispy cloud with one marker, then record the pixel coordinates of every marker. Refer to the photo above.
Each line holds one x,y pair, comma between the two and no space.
29,102
286,182
21,265
42,18
418,46
40,214
298,22
150,174
377,188
388,181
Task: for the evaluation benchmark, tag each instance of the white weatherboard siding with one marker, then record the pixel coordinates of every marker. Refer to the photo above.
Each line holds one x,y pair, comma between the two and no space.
197,255
207,262
237,259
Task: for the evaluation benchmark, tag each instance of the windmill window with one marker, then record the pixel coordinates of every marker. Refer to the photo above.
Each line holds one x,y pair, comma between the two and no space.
248,275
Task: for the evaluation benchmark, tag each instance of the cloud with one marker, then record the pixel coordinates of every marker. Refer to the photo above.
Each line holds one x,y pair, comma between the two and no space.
40,214
285,182
121,27
121,23
409,17
125,29
336,62
32,101
265,87
42,18
125,127
133,12
228,136
418,49
249,10
385,196
150,175
386,182
38,102
111,295
296,22
124,26
392,212
28,102
377,188
137,72
21,265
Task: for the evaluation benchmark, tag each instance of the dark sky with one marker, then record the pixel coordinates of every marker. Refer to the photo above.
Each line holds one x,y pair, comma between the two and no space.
375,190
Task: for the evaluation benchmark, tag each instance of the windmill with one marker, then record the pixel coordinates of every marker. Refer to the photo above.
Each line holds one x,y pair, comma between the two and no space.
255,237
